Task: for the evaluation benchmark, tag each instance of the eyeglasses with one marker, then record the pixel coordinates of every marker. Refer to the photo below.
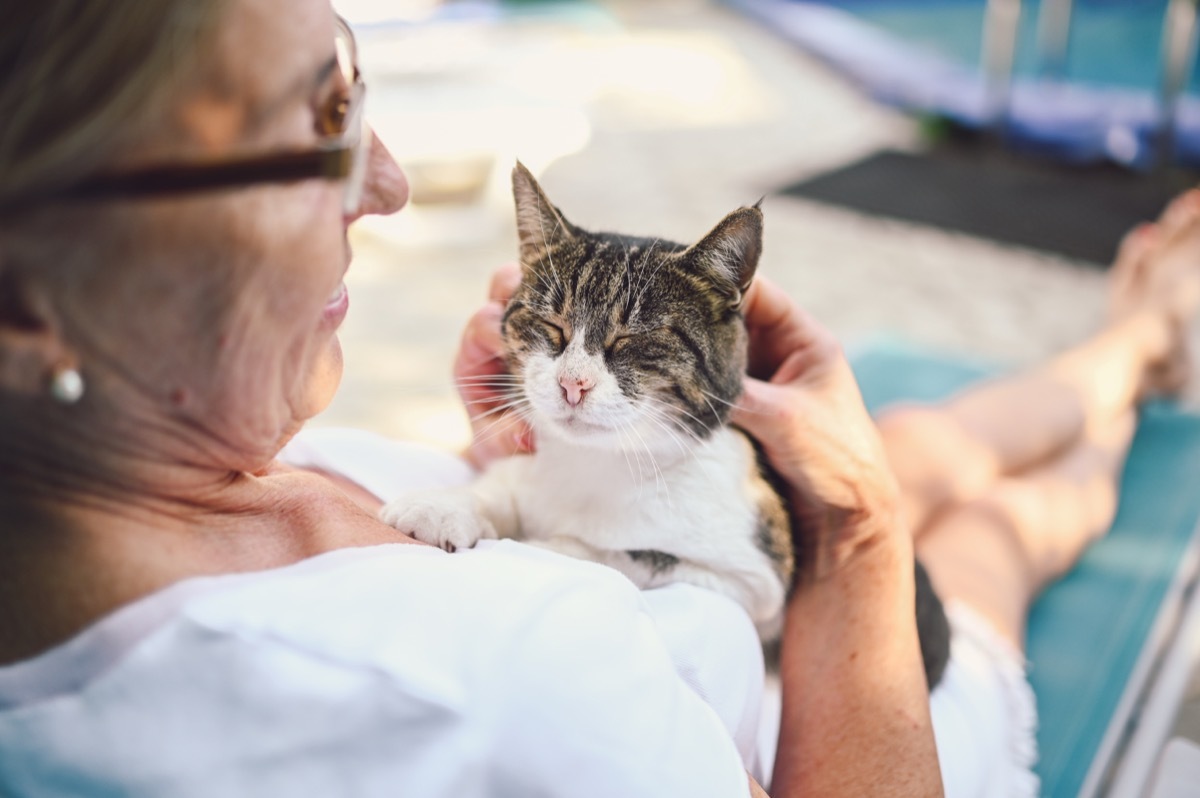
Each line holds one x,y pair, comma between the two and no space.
342,154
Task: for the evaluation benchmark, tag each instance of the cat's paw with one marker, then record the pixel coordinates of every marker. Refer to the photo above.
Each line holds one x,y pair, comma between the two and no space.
445,518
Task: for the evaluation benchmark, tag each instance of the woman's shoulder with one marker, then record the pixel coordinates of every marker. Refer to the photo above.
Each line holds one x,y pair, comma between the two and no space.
426,664
372,603
359,606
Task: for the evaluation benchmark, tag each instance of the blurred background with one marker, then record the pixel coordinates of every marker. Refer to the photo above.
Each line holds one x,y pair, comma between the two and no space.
950,173
895,205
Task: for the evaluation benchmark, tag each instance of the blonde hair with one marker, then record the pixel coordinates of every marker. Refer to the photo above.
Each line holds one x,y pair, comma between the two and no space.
80,80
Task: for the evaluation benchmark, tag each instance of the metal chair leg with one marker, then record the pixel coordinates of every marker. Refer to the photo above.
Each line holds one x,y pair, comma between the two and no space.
1000,24
1053,38
1178,59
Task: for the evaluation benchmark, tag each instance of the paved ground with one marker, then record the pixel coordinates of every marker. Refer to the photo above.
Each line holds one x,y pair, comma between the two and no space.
656,118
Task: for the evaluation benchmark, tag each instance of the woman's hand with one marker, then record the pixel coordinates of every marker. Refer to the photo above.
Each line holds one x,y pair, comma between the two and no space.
855,717
483,381
809,417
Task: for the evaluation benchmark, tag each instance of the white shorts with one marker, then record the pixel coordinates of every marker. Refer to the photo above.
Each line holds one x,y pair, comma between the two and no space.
984,714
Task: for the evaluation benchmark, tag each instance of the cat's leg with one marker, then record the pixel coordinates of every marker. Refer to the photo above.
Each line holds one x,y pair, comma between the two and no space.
954,452
747,578
646,569
740,571
454,518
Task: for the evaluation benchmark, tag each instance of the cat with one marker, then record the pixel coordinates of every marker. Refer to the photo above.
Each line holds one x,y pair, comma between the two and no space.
626,357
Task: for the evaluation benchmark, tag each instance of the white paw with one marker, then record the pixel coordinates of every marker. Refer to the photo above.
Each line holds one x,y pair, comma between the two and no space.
444,518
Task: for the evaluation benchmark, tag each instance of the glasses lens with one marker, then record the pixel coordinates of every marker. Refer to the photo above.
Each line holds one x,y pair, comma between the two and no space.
347,52
335,115
355,134
358,138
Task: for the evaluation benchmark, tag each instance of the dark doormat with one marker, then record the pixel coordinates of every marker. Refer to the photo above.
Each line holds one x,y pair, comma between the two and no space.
1080,212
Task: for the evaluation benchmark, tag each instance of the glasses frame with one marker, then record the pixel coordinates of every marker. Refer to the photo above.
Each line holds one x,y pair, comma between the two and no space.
341,157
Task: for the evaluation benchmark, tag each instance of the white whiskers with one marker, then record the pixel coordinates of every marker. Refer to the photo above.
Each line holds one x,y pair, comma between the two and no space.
733,405
660,403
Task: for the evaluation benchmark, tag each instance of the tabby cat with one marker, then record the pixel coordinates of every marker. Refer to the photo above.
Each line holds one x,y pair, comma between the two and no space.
626,356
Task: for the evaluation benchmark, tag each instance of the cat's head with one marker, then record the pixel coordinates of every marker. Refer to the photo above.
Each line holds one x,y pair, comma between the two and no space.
627,342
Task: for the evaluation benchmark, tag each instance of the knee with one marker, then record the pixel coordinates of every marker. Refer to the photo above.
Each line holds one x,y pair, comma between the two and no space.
931,452
908,430
999,527
1044,524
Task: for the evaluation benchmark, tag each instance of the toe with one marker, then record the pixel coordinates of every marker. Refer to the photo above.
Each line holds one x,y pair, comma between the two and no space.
1181,210
1136,243
1127,277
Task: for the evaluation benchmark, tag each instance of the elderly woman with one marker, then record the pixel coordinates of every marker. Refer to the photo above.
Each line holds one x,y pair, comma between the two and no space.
184,613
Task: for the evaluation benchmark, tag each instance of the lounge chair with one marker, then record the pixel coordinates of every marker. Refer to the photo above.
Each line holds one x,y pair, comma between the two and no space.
1111,646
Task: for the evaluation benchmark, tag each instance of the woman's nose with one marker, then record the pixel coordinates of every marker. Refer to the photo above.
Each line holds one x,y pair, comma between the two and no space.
385,189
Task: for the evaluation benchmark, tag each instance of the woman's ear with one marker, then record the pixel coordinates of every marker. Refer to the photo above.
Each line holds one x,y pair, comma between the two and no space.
32,349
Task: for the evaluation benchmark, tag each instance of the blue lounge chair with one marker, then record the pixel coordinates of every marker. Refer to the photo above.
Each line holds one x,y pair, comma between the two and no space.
1112,645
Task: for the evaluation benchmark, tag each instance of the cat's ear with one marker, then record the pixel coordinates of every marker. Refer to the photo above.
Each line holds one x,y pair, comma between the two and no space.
728,255
540,225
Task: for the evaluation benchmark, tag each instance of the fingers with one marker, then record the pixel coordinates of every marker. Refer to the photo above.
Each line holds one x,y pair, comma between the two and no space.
482,345
482,339
504,282
775,413
779,329
505,437
481,373
760,410
479,368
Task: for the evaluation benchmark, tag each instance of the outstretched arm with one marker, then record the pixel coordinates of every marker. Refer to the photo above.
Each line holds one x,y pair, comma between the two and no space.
855,705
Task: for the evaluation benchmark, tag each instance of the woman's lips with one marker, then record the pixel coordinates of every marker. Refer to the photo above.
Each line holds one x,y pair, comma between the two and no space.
336,307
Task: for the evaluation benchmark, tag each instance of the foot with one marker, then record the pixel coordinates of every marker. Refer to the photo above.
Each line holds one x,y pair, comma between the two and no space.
1156,284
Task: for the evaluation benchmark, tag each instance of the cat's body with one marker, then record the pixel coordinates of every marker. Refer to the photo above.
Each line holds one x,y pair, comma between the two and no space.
697,515
627,355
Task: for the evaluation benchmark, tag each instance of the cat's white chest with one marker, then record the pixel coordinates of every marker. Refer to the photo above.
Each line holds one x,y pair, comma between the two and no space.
634,500
694,518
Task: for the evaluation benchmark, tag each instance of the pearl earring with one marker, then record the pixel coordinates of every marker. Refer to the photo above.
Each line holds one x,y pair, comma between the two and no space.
66,386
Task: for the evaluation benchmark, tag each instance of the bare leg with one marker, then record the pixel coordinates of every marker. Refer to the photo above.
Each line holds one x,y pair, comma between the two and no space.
999,550
952,453
1008,483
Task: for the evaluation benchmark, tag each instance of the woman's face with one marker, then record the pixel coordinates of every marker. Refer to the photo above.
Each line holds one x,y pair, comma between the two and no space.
223,311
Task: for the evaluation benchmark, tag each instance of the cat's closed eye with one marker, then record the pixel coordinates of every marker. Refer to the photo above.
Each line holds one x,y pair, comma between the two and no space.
556,334
618,343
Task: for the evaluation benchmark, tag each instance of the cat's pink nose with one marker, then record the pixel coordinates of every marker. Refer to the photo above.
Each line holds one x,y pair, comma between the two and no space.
574,389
